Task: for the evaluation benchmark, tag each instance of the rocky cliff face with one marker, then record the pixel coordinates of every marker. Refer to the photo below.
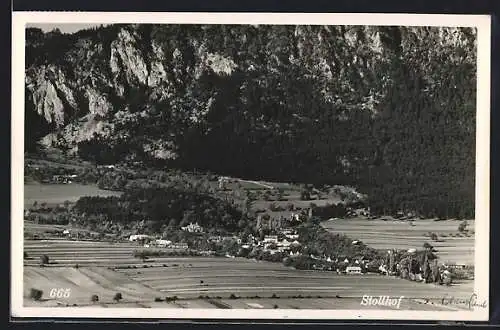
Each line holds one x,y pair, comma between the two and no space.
86,83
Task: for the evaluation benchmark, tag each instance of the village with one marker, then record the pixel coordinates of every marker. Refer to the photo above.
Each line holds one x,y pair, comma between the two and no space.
276,237
284,244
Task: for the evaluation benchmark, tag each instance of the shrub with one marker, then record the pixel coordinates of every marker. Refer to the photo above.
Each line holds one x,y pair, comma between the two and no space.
25,255
233,296
77,266
462,227
158,299
118,296
434,236
275,306
174,298
274,296
305,195
36,294
427,246
44,260
447,281
94,298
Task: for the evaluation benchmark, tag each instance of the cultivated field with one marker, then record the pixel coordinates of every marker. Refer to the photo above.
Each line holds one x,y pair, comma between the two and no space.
58,193
106,268
451,245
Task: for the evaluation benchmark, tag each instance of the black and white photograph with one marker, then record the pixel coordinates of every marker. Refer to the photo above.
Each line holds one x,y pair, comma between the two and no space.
258,166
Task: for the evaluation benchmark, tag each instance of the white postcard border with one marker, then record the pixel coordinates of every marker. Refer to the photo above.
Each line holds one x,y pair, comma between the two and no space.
481,22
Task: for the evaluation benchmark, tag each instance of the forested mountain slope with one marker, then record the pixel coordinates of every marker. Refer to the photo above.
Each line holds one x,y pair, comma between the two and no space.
390,110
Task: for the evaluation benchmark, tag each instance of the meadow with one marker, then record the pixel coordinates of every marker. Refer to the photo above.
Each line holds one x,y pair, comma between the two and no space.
54,194
451,245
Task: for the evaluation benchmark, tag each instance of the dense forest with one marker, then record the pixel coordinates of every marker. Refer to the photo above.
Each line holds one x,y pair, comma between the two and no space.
164,207
389,110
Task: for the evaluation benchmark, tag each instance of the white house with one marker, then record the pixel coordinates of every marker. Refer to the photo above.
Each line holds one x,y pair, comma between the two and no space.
270,239
353,270
232,238
284,243
179,246
134,238
162,242
193,228
216,239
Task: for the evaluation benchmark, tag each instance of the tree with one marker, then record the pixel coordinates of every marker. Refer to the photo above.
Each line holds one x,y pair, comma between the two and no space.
462,227
44,260
279,194
173,223
36,294
305,194
435,272
117,297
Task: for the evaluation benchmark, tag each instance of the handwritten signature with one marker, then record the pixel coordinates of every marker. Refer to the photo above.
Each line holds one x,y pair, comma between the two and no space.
470,302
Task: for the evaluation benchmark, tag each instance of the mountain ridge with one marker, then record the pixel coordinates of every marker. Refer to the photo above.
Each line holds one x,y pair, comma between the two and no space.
385,108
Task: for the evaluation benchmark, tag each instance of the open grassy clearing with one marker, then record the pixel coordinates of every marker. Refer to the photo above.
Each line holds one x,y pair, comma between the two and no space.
54,194
73,165
31,227
451,245
249,278
88,253
83,283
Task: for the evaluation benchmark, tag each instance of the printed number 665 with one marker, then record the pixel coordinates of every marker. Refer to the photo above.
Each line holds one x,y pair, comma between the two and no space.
60,293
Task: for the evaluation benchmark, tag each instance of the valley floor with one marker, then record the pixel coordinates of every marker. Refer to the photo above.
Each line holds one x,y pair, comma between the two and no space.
105,269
